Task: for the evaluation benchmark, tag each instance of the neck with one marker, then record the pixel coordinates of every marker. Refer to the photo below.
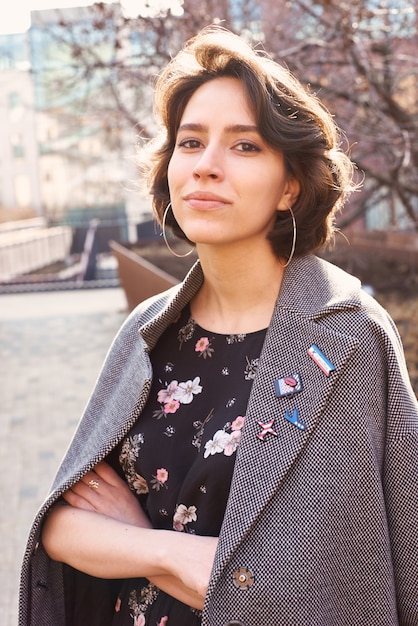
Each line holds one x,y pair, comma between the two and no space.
239,290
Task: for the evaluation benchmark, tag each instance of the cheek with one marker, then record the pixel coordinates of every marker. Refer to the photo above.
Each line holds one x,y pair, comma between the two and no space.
180,170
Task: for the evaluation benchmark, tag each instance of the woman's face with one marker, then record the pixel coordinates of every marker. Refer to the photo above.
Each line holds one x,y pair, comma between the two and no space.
226,183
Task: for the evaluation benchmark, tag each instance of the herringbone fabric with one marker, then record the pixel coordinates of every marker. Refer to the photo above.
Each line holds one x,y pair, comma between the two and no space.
324,518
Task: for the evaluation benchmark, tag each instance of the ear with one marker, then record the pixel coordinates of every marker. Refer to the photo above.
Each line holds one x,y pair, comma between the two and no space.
290,194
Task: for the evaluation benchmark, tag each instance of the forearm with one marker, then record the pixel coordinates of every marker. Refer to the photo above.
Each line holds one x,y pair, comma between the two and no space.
102,546
108,548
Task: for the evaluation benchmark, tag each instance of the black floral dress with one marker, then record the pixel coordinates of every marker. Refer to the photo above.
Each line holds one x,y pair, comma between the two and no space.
179,457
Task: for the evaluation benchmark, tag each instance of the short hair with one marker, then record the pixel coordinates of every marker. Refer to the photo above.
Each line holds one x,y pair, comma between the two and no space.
290,119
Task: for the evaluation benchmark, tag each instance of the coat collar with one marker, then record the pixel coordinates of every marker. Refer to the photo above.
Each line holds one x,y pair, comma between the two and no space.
160,314
312,287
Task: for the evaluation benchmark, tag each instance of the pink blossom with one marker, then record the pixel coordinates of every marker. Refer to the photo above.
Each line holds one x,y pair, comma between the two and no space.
232,445
238,423
171,406
139,620
165,395
163,621
201,344
162,475
117,605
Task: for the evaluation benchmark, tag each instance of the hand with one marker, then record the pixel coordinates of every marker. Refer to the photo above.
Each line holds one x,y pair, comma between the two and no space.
102,490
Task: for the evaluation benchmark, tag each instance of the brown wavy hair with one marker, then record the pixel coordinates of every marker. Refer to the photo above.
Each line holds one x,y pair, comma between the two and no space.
289,118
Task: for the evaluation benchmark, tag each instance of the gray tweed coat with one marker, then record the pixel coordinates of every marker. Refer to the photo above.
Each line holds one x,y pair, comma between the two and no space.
321,524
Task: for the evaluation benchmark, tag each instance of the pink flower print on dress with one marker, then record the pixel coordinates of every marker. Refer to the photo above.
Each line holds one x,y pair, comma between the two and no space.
238,422
171,407
162,475
163,621
233,441
203,347
139,620
159,479
166,395
185,391
117,605
201,344
226,440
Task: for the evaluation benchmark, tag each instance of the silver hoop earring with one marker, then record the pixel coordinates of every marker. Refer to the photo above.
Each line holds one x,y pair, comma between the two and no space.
180,256
292,252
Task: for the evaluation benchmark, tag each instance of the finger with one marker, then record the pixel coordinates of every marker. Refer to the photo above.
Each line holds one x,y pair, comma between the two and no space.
90,488
107,473
77,501
93,481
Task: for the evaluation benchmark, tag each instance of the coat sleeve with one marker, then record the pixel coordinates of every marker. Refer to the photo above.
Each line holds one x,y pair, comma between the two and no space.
401,481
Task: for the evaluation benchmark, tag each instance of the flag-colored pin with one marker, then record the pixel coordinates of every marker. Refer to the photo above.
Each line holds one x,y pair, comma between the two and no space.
320,359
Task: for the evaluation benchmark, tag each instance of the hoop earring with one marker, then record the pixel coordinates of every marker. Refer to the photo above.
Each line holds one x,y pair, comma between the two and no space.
292,252
180,256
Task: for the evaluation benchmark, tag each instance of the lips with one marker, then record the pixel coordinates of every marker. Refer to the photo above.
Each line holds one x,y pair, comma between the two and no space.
205,200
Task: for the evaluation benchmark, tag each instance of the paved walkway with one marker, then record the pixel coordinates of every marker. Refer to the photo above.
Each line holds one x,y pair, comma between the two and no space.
51,349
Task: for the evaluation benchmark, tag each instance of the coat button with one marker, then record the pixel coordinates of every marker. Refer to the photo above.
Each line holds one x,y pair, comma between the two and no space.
235,622
243,578
41,584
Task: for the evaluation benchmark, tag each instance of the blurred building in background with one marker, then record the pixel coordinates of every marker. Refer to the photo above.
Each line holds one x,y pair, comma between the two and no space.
62,160
20,191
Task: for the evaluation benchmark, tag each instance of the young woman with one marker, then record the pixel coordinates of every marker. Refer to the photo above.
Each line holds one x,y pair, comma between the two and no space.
249,454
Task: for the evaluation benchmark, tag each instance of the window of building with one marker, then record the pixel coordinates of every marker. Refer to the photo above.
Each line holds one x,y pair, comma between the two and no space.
16,107
18,152
18,149
14,99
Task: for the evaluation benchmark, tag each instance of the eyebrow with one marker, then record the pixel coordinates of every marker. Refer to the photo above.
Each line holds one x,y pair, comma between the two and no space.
233,128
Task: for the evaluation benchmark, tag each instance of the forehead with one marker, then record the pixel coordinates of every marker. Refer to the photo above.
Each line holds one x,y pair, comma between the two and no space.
219,99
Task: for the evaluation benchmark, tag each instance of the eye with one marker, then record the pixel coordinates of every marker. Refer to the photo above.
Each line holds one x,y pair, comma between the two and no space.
246,146
190,144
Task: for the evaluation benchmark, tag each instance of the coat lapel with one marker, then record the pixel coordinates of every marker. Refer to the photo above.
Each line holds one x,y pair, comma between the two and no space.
262,465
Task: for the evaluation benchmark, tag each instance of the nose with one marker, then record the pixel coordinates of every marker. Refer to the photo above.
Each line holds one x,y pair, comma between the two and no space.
208,164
